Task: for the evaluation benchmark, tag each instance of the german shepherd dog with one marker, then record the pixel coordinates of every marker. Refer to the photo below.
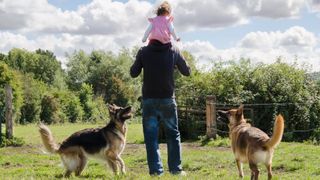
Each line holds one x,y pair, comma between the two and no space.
250,144
106,143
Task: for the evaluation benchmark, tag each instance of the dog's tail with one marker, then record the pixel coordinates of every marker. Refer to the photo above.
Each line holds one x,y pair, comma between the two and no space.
47,139
277,132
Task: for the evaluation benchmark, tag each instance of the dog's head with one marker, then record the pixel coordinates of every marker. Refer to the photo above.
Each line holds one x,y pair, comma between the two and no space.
234,116
119,114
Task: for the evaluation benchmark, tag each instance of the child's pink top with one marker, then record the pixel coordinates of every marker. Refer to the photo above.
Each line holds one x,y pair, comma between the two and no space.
161,28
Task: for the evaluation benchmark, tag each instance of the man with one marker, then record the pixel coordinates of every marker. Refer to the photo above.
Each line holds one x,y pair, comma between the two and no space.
158,62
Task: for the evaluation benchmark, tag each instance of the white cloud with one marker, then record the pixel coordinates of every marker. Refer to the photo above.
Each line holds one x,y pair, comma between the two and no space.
110,17
207,14
36,15
274,8
211,14
65,43
296,43
293,39
314,5
113,17
10,40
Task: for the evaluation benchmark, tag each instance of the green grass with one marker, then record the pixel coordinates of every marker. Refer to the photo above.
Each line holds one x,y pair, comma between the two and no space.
209,160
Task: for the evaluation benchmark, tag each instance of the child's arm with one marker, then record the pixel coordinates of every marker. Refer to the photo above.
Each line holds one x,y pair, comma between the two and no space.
146,34
173,32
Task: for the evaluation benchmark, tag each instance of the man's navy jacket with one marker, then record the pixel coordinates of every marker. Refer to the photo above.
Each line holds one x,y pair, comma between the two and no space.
158,62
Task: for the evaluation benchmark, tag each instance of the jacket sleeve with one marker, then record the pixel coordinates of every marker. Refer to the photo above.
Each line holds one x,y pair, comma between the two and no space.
136,68
182,64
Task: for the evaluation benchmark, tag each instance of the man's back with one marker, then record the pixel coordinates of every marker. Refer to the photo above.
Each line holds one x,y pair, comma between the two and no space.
158,62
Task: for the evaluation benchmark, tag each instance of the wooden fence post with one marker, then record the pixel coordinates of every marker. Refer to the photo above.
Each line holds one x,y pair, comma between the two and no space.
211,117
9,121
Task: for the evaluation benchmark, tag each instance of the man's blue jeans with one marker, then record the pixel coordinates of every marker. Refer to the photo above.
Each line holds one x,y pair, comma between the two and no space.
154,112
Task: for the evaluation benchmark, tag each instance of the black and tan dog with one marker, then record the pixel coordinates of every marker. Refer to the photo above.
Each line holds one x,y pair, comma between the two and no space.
250,144
106,143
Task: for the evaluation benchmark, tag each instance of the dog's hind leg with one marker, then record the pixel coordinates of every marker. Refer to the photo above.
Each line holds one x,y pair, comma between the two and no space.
82,165
67,173
71,162
240,169
268,166
254,171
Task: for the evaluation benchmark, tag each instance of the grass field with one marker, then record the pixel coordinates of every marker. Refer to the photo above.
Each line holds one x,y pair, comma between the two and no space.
291,160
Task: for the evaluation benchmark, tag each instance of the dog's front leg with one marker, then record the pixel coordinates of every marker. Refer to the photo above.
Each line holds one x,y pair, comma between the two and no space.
240,169
114,166
122,166
112,161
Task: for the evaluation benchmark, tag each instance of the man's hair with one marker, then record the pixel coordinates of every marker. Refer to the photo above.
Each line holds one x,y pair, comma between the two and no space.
163,8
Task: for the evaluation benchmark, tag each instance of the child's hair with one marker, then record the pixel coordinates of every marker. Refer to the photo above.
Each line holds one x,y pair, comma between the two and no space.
163,9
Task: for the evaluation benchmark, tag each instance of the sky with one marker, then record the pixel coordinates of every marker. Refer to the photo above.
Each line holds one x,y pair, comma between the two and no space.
212,30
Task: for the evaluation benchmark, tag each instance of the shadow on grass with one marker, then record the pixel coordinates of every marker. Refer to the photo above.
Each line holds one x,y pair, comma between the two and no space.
284,168
87,176
217,142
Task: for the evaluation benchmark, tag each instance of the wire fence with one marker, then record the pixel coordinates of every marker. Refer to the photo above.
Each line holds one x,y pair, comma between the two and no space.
192,117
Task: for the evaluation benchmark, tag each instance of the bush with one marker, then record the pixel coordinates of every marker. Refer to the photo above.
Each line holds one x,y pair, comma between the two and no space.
70,105
11,142
86,96
49,110
33,91
100,113
315,137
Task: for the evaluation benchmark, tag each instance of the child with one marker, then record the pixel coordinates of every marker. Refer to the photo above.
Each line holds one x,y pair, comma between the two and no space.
161,27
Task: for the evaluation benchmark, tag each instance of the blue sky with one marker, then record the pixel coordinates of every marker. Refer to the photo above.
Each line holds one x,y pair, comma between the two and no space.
210,29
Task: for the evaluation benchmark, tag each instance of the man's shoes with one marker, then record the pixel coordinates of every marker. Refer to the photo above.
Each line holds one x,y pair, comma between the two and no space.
179,173
156,174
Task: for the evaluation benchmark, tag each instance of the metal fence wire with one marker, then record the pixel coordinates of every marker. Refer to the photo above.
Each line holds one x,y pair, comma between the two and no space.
192,118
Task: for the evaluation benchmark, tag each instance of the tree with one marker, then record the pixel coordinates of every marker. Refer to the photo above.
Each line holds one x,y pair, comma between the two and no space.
111,79
78,69
69,105
33,92
46,66
42,64
86,100
107,73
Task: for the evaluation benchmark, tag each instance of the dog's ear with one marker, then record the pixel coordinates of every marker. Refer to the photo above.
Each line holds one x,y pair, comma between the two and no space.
221,112
111,108
240,110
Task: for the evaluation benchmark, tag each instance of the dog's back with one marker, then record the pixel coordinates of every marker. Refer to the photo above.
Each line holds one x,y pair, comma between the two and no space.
91,140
